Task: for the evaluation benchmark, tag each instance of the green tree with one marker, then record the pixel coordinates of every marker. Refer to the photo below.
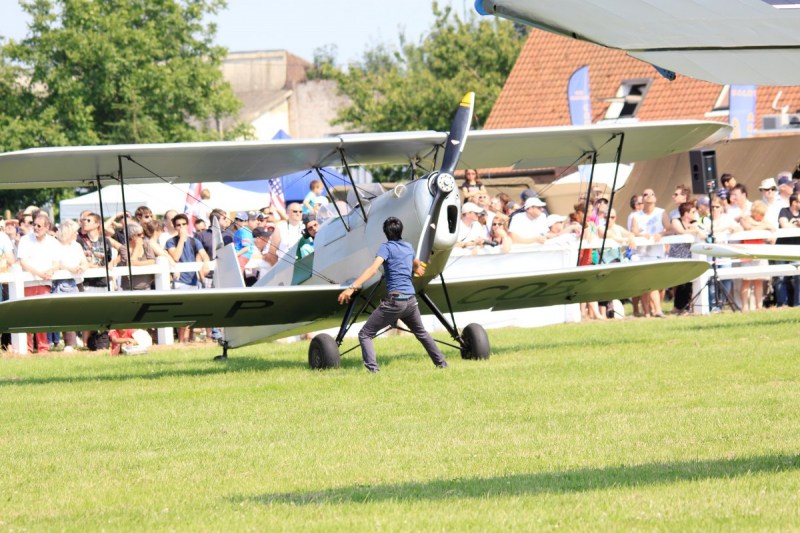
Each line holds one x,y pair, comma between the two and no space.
412,88
114,71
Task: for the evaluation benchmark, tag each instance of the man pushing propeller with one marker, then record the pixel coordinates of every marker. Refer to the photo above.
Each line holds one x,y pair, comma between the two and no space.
396,256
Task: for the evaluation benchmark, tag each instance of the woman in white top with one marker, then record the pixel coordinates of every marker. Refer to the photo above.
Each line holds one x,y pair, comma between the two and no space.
73,260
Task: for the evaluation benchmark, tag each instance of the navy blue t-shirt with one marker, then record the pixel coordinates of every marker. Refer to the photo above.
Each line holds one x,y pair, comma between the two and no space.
398,261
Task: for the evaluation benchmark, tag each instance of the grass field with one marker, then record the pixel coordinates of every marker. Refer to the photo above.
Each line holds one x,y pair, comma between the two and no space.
679,424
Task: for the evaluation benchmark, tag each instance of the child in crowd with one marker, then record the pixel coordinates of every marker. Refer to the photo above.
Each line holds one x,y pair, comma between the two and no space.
312,202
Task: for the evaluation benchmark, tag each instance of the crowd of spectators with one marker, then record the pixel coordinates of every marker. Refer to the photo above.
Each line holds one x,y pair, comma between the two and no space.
498,221
66,251
265,237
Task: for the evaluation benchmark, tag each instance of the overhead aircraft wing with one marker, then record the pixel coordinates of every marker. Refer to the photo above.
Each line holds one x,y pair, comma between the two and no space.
251,160
721,41
563,286
775,252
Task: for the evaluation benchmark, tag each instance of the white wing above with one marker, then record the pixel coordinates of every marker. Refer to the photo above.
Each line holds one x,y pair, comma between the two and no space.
252,160
722,41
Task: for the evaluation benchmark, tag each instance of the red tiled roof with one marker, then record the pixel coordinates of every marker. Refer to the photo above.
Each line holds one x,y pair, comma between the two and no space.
535,93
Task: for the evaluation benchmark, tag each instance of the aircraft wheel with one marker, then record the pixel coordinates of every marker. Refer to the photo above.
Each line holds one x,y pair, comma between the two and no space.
476,342
323,352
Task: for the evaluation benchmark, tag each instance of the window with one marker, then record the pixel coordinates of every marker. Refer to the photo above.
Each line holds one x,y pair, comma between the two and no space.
629,97
722,105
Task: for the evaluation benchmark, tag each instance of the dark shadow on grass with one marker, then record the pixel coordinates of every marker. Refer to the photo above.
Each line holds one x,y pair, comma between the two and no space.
582,480
776,320
164,369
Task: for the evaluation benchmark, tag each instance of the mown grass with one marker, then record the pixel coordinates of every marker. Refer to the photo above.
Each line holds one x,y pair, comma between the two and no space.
676,424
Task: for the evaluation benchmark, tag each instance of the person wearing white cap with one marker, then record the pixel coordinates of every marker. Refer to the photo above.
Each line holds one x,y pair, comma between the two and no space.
556,231
769,195
529,226
470,232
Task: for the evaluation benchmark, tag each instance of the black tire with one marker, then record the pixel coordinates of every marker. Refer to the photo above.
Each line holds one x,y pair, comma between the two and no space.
323,352
476,342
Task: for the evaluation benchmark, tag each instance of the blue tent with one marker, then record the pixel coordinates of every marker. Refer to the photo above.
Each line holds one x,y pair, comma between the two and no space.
295,185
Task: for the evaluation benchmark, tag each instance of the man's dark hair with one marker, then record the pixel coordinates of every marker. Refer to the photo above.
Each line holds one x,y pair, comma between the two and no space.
218,213
180,216
393,229
741,188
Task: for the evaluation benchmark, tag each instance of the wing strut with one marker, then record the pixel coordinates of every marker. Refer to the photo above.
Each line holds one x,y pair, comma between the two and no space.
335,205
125,218
353,183
613,190
586,206
103,231
350,317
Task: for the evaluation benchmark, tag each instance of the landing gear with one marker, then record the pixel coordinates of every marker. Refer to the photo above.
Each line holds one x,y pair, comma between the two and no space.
224,356
474,342
323,352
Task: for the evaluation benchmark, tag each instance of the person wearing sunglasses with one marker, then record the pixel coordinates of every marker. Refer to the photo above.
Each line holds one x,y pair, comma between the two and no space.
498,233
38,255
186,248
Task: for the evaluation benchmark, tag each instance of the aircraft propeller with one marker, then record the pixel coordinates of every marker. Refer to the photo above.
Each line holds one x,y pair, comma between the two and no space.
442,183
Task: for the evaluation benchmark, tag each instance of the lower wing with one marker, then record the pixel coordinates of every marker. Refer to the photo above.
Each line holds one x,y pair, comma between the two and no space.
144,309
292,305
580,284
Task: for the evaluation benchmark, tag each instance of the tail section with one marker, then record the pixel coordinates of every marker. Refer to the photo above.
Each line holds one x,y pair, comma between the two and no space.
227,275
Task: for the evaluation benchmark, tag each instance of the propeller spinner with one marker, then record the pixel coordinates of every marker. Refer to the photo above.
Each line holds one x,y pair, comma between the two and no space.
442,183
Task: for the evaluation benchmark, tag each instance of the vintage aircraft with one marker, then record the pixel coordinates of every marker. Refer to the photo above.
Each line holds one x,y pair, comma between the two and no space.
721,41
429,207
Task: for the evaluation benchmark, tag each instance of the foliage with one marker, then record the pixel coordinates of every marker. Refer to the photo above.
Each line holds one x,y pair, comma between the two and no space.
114,71
685,424
413,88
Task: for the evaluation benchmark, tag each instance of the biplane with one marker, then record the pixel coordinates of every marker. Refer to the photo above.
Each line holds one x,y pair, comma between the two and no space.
284,303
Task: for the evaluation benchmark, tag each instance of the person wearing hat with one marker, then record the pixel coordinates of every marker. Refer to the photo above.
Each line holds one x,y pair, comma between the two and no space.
470,232
529,226
555,226
769,195
243,237
785,188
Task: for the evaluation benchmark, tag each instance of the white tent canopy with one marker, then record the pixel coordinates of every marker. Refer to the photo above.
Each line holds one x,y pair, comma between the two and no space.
160,197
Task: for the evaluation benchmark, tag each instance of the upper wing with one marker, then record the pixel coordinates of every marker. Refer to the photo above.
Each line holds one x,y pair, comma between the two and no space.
251,160
581,284
776,252
142,309
562,145
722,41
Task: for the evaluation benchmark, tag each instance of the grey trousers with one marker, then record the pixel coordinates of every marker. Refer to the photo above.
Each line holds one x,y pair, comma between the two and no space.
387,313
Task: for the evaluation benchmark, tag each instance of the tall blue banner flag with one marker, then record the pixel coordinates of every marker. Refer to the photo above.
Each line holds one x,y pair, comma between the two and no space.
742,110
580,100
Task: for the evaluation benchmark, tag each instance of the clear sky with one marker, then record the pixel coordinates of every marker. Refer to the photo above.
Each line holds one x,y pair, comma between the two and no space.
301,26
